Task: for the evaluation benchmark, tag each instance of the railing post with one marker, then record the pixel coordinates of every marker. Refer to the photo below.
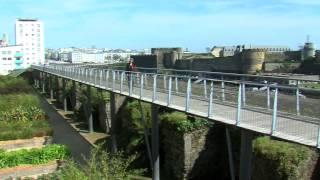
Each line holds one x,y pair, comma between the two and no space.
107,79
169,91
164,82
101,75
176,84
205,88
243,94
154,88
188,95
141,85
121,81
131,84
222,90
298,99
239,105
113,80
275,110
318,138
210,101
268,97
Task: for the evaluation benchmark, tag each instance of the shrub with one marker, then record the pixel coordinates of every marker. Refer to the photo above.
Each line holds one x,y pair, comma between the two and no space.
183,124
33,156
100,165
22,114
9,85
284,158
10,130
10,101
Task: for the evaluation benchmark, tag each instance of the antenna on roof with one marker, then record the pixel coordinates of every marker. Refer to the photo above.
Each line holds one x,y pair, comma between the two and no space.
308,38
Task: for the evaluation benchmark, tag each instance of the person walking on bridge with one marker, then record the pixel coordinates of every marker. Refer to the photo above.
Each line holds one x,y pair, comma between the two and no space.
130,67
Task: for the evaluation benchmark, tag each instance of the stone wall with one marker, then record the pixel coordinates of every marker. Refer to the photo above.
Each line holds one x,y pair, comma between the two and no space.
186,155
280,67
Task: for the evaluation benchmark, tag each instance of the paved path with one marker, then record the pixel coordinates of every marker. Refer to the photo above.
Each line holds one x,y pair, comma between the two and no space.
65,134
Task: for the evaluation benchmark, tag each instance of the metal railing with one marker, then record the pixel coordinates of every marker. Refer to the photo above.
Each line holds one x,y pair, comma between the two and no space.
274,109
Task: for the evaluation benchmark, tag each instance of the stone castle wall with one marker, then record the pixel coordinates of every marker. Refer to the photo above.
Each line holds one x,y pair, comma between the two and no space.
249,61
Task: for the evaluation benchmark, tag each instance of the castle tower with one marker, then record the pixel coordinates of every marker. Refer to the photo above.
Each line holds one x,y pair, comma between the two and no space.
252,60
308,50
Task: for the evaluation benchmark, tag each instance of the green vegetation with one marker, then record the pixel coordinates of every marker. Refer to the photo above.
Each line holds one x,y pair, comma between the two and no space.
9,85
33,156
312,85
100,165
181,123
279,159
20,113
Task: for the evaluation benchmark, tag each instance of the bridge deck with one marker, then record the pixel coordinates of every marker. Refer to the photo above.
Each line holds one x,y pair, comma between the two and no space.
291,128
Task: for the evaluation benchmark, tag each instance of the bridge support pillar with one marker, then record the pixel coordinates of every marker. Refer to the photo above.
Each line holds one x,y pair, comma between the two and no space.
64,95
43,81
155,143
57,89
51,87
103,118
113,122
90,118
245,155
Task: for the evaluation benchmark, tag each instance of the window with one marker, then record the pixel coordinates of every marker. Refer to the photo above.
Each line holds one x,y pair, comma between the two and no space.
4,59
9,59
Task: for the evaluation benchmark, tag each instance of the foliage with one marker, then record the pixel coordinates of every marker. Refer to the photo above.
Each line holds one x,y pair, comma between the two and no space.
22,114
132,139
9,85
180,122
285,157
33,156
100,165
10,101
10,130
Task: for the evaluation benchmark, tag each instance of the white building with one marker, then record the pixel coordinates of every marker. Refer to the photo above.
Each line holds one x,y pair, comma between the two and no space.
29,34
82,57
11,58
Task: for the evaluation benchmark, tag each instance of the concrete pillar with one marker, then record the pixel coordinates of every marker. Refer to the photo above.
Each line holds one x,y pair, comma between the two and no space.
245,155
43,82
103,118
57,88
64,94
51,87
155,142
90,118
113,122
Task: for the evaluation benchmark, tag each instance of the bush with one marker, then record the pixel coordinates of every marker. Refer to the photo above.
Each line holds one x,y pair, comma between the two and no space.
181,123
33,156
100,165
22,114
8,102
9,85
11,130
282,159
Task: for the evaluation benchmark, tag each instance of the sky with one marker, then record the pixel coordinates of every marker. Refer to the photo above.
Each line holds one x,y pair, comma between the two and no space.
192,24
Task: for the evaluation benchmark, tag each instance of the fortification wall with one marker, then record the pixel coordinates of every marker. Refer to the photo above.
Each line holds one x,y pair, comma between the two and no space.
252,60
146,61
283,56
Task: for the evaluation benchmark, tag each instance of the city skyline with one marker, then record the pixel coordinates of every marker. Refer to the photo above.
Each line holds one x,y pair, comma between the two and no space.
187,24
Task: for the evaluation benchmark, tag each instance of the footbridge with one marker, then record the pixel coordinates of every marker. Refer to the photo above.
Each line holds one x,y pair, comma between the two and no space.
283,108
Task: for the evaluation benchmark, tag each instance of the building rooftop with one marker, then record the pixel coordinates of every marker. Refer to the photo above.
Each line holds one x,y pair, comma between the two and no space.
27,19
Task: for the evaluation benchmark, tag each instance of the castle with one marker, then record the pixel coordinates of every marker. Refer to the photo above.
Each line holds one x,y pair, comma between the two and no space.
243,60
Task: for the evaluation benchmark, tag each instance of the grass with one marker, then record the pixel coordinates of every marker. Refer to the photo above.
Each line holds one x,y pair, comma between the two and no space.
33,156
11,130
10,85
10,101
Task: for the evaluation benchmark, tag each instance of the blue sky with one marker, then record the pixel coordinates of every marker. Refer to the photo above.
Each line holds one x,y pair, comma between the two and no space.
192,24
